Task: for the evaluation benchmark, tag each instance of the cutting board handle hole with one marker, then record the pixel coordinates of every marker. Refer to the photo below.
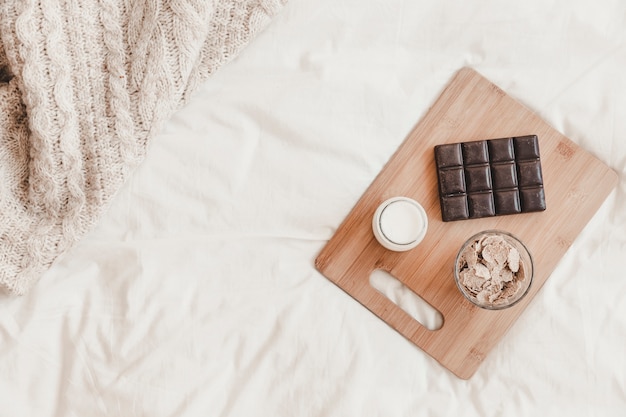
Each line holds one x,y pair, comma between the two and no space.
406,299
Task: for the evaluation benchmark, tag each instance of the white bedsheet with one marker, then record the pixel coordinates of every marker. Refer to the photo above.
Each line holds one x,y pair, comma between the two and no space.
196,295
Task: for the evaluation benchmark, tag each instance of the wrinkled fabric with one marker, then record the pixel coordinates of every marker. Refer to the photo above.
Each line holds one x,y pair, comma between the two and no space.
197,294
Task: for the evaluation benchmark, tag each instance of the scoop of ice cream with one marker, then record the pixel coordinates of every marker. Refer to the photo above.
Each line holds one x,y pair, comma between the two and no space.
491,270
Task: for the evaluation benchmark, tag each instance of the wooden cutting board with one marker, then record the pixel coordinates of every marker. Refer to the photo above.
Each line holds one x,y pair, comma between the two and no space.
470,108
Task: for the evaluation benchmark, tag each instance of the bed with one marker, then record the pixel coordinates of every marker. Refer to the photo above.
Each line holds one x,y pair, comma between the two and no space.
197,293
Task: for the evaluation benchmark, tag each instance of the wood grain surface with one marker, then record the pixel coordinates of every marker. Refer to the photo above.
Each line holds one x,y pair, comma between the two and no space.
469,108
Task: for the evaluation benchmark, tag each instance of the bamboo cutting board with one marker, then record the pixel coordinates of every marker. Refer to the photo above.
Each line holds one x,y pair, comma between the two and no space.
470,108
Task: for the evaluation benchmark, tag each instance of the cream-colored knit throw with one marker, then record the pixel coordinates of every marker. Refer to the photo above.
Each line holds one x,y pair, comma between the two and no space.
84,84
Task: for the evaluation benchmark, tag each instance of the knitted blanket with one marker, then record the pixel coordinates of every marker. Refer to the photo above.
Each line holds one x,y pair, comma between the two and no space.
84,85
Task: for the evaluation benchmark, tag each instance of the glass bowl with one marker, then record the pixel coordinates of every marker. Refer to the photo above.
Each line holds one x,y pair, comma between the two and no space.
493,270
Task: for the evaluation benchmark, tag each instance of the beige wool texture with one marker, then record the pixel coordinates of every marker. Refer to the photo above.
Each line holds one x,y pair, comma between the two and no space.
84,85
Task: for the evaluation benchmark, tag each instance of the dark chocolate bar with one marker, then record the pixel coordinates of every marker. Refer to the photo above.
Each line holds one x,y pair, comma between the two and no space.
489,178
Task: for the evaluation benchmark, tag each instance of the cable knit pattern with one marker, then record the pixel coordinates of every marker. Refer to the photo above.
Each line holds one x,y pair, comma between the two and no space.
84,84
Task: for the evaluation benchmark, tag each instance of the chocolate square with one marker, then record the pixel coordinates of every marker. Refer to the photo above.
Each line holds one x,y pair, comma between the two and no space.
504,175
481,205
454,208
478,178
448,155
452,181
507,202
501,150
526,147
475,152
533,199
489,178
529,173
